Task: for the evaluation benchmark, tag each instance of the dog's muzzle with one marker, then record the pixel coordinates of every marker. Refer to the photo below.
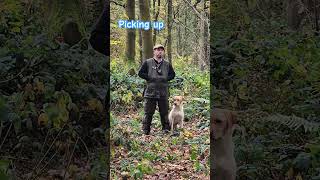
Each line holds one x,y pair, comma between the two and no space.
215,137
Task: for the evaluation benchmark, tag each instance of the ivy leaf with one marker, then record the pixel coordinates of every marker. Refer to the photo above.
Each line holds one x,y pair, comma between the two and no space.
314,148
43,119
95,105
16,29
302,162
4,165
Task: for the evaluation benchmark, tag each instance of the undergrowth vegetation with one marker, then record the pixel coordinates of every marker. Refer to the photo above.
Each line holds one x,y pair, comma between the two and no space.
52,110
270,75
138,156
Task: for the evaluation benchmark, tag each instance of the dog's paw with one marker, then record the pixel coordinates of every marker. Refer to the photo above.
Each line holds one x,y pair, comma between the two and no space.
175,133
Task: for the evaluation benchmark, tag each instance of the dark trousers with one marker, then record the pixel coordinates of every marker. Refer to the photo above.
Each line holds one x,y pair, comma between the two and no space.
149,109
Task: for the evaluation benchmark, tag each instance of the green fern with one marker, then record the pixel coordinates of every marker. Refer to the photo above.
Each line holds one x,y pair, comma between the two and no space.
294,122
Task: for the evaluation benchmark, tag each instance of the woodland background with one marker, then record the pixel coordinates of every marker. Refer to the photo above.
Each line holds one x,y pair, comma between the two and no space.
186,41
264,61
265,65
52,91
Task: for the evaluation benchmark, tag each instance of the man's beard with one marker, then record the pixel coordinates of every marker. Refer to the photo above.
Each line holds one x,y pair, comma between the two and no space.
159,56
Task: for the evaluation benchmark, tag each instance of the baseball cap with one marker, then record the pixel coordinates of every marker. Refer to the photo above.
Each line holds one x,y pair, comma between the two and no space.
158,46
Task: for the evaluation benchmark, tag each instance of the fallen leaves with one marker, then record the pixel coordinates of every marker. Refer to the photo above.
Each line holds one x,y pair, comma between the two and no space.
158,155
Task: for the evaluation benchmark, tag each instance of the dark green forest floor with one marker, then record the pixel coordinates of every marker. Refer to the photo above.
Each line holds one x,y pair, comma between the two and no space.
270,75
52,112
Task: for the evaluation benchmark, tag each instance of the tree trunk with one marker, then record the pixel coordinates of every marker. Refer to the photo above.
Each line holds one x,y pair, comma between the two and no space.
185,38
131,33
196,49
147,43
169,21
179,34
293,17
297,10
140,44
316,7
201,52
206,37
156,15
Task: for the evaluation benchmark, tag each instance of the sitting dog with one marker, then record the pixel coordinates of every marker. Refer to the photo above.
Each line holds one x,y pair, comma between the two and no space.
222,126
176,115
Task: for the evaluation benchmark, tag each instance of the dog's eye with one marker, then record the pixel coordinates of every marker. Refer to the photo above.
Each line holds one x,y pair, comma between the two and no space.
218,121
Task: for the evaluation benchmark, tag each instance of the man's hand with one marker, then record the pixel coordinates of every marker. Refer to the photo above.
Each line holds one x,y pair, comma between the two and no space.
151,79
163,79
158,80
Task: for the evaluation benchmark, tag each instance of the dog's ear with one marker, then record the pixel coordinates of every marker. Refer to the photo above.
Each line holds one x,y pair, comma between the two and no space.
231,120
234,117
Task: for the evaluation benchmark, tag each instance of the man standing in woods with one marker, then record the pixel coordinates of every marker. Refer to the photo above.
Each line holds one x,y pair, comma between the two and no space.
157,72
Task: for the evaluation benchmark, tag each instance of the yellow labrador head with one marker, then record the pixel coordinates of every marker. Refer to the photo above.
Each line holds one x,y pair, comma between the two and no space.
178,100
222,122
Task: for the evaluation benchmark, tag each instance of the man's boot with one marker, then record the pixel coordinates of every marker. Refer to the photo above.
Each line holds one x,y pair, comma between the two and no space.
146,123
163,108
165,123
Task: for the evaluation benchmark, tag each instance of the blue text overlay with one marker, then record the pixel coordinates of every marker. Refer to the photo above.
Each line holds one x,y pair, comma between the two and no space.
137,24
